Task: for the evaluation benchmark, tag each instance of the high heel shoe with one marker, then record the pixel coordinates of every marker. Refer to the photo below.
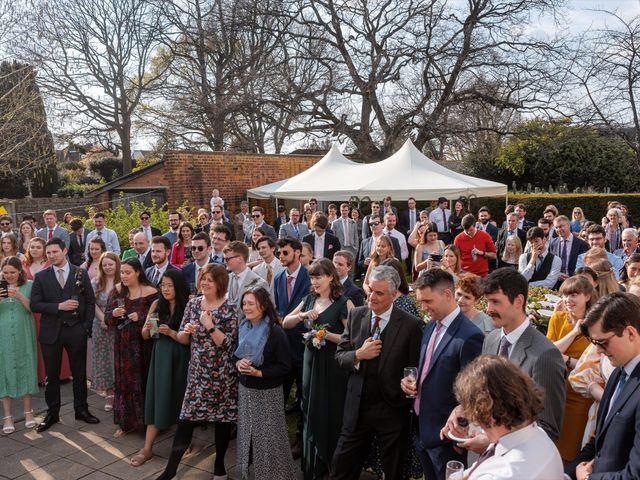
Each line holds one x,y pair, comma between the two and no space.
8,428
29,423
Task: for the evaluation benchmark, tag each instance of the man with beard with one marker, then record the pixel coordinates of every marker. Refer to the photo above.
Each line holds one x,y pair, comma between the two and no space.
515,338
160,250
174,222
486,225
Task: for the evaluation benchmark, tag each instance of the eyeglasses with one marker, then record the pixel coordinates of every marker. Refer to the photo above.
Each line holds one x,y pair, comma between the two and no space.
198,248
215,239
604,343
256,216
374,224
228,259
5,224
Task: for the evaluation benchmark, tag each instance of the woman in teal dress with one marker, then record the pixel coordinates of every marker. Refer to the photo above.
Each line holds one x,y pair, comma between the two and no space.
18,358
167,379
324,384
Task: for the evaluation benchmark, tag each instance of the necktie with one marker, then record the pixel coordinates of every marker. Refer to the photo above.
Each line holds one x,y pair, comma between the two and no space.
234,287
539,262
156,276
444,220
80,242
621,381
426,363
99,233
50,236
61,277
269,274
376,324
345,229
295,229
503,351
290,280
488,453
563,256
412,219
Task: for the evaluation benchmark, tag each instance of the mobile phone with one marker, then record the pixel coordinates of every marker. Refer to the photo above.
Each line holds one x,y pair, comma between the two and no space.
5,286
435,258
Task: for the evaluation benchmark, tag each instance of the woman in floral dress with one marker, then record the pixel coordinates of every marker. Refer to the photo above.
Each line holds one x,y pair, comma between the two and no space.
210,323
132,354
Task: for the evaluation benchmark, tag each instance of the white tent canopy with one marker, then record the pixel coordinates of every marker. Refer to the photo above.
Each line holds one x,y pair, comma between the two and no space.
407,173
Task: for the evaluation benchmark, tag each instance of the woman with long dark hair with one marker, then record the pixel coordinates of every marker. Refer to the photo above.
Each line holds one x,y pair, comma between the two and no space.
129,304
263,361
96,248
181,250
210,325
167,379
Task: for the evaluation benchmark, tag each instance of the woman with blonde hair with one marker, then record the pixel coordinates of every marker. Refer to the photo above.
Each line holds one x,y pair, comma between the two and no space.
512,252
383,250
606,277
577,220
452,262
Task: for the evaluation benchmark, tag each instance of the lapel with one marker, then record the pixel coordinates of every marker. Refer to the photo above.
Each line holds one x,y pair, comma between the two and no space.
449,333
391,334
297,285
365,327
428,331
492,342
519,353
628,390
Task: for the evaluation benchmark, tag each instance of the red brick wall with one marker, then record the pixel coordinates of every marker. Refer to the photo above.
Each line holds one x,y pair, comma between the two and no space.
192,175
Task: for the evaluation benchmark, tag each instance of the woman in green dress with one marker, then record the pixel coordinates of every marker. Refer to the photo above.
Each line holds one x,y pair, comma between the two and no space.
167,379
324,384
18,358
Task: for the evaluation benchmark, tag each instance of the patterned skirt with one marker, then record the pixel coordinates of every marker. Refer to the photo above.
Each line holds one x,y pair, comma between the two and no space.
262,425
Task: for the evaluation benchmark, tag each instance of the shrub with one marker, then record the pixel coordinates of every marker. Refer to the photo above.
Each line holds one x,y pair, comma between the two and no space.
107,168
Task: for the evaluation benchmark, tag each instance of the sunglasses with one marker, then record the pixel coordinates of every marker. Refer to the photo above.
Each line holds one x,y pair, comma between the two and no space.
256,216
374,224
144,218
198,248
217,211
5,224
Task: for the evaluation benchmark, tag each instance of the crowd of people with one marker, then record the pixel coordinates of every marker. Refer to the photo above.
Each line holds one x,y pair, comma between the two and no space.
217,320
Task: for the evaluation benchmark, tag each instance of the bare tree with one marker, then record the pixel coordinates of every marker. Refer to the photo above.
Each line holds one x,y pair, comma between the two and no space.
605,68
94,59
385,70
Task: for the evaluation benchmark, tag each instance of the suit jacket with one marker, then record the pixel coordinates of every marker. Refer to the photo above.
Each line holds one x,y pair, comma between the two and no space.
268,229
460,344
149,272
400,347
491,229
76,251
287,230
278,222
616,444
251,280
148,262
285,306
354,241
46,294
542,361
189,272
527,224
578,246
58,231
404,221
353,292
502,238
365,251
331,244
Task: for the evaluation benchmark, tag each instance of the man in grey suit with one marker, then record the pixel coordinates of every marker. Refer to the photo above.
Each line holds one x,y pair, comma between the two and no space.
506,293
241,277
345,229
293,228
52,229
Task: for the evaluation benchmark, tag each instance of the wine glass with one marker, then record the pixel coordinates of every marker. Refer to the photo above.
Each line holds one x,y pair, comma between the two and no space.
308,323
411,376
153,319
455,470
247,353
75,312
120,304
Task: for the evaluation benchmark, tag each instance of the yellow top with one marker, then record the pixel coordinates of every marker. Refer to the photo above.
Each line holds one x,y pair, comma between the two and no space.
559,327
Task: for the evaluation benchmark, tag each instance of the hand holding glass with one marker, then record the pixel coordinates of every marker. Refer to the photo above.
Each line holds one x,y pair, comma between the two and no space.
153,320
411,377
455,470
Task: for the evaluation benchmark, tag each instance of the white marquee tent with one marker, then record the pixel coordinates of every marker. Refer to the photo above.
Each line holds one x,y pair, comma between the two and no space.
406,173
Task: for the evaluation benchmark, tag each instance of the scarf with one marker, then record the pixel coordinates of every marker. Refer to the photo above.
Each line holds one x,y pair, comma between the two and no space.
251,340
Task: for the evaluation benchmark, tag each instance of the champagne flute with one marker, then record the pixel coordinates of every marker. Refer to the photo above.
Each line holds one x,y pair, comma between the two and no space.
75,311
455,470
247,353
411,376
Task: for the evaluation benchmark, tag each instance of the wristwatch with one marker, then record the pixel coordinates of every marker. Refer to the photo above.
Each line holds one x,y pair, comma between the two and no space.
212,329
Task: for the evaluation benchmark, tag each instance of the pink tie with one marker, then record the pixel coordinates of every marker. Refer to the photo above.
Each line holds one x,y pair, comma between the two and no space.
427,362
289,286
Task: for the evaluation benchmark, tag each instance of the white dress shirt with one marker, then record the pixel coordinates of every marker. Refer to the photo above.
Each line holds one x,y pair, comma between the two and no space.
527,270
436,217
404,251
318,246
384,319
65,270
527,453
261,270
109,238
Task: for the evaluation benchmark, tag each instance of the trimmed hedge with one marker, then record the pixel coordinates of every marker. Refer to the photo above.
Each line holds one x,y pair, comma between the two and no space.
593,205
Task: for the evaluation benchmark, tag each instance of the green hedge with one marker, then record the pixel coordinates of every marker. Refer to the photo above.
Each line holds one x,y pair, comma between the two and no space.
593,205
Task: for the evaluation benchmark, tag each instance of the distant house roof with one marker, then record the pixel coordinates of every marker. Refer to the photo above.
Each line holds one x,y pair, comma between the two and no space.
126,178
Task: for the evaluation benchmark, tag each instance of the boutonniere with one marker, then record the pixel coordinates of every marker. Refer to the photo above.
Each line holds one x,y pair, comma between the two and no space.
78,281
330,247
316,337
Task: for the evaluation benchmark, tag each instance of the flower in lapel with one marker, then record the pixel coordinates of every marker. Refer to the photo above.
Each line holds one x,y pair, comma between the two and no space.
330,247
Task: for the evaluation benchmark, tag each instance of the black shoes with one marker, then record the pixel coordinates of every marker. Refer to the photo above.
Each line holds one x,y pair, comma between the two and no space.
85,416
48,422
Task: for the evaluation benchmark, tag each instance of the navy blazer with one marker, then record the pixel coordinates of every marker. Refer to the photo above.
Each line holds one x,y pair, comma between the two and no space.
616,444
46,294
149,273
461,343
189,272
578,247
285,306
353,293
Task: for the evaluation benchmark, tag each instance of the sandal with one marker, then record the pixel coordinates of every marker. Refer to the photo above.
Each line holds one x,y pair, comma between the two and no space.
119,433
8,427
141,458
29,423
109,405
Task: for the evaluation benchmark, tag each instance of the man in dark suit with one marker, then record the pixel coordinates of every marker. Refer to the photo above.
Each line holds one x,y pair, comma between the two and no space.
449,342
485,224
408,218
63,295
143,250
387,207
281,219
77,242
290,286
218,218
324,244
343,261
200,248
523,223
509,230
145,226
613,325
378,342
506,293
257,215
367,245
160,250
567,246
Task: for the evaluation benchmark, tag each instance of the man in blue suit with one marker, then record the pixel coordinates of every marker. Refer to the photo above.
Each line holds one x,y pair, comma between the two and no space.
613,325
449,342
200,250
290,286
